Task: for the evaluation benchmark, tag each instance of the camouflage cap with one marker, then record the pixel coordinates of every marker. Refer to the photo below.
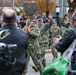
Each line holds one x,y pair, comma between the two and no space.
39,17
54,21
74,15
65,15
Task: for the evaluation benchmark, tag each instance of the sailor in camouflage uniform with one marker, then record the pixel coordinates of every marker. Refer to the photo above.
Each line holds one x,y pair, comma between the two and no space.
43,37
64,23
54,32
33,32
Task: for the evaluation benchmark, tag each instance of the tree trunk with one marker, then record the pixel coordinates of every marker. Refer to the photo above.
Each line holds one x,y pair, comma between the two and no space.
72,7
47,13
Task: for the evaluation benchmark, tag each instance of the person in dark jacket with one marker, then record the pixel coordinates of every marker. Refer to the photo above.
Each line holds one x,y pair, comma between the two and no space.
18,37
62,43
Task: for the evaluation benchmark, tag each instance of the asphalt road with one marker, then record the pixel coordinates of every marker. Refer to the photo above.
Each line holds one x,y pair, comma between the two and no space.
48,57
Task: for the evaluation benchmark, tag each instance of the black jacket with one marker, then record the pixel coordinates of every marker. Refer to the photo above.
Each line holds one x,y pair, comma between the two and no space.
20,38
68,37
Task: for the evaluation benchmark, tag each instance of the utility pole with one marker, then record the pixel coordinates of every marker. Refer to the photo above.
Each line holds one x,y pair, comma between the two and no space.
62,8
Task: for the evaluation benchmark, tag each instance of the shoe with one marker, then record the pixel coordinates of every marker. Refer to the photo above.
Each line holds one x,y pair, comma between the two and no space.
54,58
24,73
44,63
35,68
40,73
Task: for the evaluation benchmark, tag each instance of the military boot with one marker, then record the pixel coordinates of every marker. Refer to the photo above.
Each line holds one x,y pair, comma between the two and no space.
44,63
35,68
40,73
54,58
24,73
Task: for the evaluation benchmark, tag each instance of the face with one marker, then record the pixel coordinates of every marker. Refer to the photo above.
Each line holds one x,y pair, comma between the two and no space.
54,24
35,22
32,24
66,19
40,22
73,22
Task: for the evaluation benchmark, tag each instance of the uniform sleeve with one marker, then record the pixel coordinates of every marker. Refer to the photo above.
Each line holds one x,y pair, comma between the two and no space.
34,32
70,25
47,25
60,31
24,28
65,25
66,40
61,22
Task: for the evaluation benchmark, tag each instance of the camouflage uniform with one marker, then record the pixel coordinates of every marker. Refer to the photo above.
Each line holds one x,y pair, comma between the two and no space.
33,47
64,25
54,32
43,41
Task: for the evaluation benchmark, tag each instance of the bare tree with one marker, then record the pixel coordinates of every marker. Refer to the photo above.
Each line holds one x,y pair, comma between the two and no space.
46,5
9,3
72,7
30,8
19,2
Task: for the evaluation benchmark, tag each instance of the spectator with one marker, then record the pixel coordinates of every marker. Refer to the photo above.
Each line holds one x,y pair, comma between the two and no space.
18,37
64,42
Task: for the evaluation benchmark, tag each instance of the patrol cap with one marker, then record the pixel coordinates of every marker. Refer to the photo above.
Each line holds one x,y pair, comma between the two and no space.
39,18
74,15
65,15
54,21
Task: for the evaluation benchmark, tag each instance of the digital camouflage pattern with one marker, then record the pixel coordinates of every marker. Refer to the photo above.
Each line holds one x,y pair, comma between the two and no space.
65,25
43,40
33,47
54,32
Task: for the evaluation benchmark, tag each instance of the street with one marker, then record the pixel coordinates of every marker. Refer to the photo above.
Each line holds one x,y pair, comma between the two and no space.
48,57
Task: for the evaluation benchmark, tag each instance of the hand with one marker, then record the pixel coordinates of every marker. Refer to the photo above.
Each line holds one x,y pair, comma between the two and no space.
32,23
50,16
60,37
28,29
56,40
